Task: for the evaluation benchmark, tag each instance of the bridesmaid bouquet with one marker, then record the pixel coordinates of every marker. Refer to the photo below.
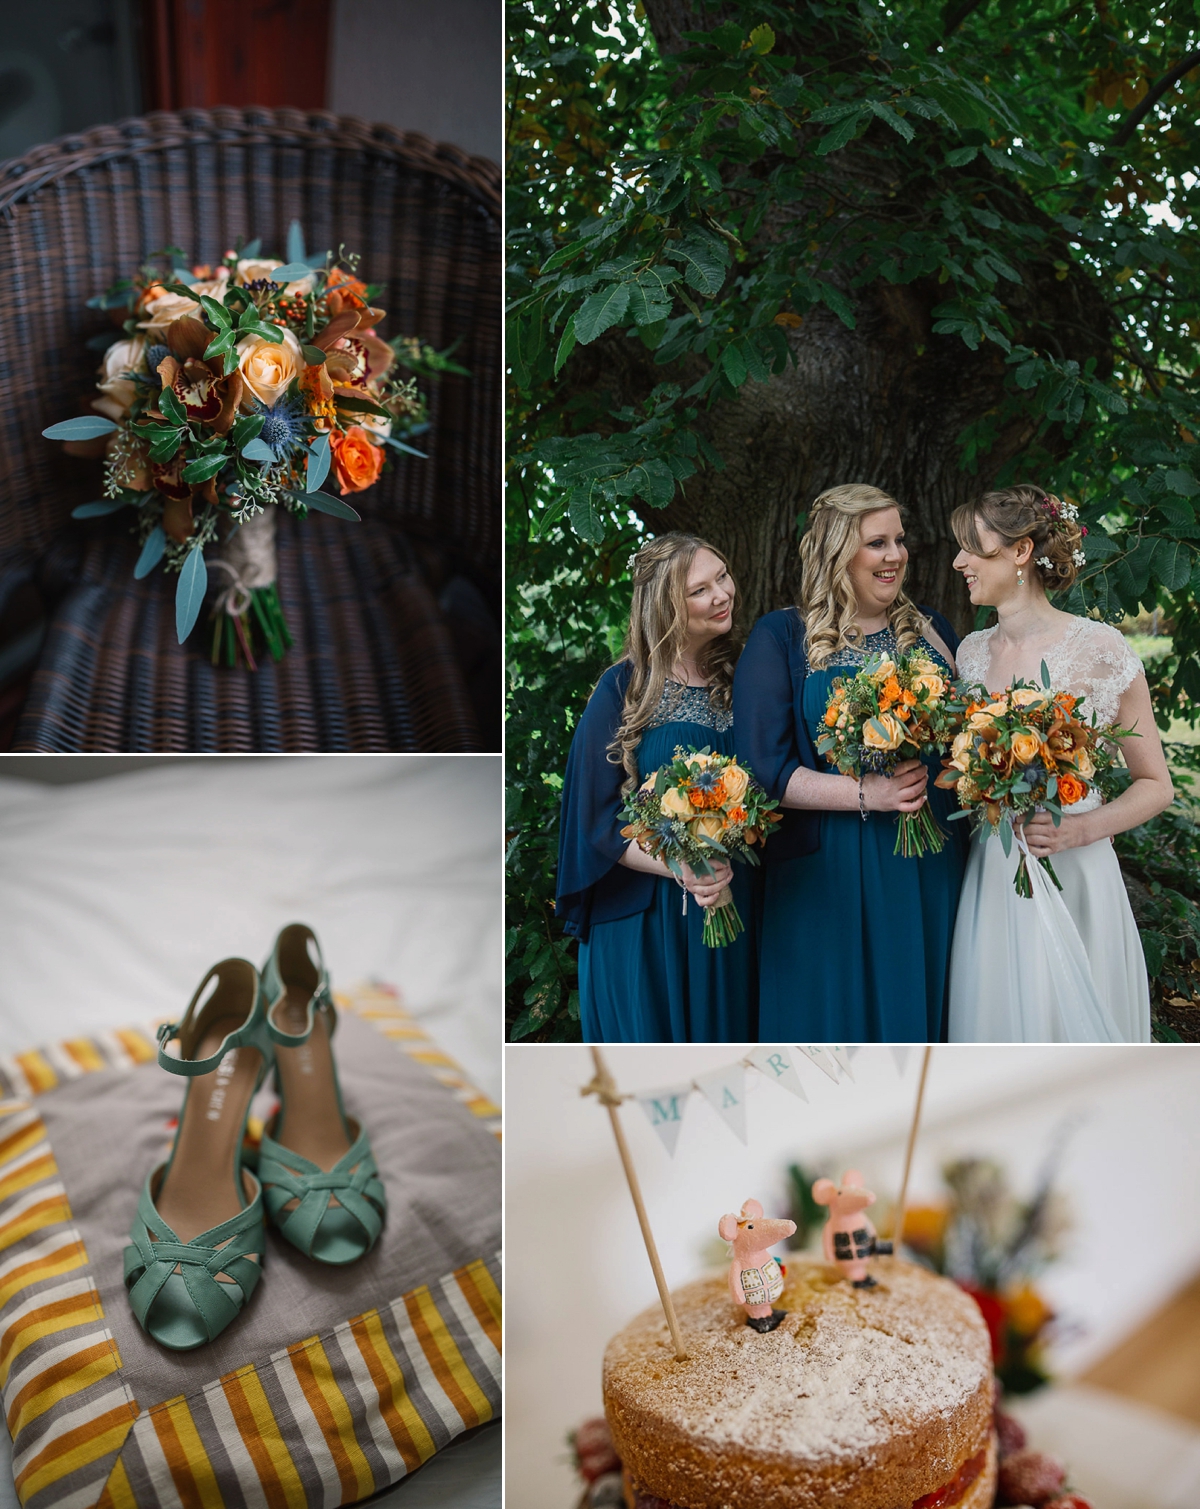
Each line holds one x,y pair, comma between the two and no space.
232,391
1025,749
698,806
893,710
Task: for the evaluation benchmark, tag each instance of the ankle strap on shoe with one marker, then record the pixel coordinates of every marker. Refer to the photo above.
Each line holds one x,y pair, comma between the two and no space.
291,955
250,1034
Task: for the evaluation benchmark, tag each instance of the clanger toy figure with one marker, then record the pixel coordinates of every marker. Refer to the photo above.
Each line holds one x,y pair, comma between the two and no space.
755,1277
849,1238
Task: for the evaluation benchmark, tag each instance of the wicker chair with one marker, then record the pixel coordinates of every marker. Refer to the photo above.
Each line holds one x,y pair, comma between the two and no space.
375,664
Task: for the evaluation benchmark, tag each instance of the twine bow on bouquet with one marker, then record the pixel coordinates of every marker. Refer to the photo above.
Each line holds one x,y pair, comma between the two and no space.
236,390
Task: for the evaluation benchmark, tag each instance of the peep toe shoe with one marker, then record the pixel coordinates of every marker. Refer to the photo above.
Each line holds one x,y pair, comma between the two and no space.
199,1234
320,1181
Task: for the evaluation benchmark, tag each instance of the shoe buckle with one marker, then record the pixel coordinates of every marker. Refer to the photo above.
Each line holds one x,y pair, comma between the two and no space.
166,1031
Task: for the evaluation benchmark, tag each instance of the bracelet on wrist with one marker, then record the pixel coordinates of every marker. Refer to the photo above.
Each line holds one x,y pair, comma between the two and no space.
862,799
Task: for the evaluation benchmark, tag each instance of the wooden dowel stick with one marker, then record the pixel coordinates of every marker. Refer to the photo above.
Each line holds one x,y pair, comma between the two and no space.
604,1086
901,1204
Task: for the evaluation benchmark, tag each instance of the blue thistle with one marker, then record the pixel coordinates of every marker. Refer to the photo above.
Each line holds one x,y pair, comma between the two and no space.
154,355
283,426
707,780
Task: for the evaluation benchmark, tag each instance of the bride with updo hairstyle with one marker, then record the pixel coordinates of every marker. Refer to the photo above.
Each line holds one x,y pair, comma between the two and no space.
645,973
1060,967
855,938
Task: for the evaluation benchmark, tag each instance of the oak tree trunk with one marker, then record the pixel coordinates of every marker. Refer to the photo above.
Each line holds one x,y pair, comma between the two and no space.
883,404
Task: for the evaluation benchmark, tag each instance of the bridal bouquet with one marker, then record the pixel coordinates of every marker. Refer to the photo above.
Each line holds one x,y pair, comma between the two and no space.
699,806
888,711
1025,749
232,391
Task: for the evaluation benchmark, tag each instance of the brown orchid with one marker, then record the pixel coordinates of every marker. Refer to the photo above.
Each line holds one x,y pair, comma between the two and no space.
200,386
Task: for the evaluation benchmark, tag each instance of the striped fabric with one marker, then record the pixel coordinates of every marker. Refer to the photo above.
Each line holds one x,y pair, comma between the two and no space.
65,1404
328,1421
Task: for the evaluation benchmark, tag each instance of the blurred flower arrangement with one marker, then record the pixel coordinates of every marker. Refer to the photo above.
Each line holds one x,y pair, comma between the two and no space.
992,1244
234,390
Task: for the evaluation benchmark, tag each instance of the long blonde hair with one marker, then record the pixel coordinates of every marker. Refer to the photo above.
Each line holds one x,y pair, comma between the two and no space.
828,605
656,637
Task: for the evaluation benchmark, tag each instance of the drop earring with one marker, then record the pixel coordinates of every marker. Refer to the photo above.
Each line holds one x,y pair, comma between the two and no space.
1020,578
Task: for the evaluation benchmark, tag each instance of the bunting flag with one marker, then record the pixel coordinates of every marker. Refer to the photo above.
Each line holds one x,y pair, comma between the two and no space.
665,1110
776,1064
725,1088
725,1091
821,1058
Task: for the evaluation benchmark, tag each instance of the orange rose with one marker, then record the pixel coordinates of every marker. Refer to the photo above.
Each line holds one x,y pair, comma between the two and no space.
1070,790
1026,746
356,462
831,714
891,689
737,814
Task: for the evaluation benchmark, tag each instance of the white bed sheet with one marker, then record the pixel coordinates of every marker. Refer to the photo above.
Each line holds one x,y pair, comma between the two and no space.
117,894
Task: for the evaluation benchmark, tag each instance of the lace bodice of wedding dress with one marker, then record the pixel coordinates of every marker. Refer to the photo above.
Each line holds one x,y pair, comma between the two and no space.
1091,660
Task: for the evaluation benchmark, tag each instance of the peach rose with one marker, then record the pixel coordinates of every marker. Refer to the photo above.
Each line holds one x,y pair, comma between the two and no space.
930,683
163,310
883,733
1084,764
356,462
961,748
1026,747
251,269
268,369
711,824
735,781
675,803
119,390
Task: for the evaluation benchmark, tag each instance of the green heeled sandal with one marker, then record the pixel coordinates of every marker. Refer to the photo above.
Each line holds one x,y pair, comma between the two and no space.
199,1235
320,1181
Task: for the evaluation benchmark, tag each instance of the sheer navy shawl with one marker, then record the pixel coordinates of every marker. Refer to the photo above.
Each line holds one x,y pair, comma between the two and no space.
772,736
592,885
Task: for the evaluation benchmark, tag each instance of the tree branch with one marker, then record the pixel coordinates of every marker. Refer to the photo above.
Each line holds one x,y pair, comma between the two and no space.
953,15
1144,106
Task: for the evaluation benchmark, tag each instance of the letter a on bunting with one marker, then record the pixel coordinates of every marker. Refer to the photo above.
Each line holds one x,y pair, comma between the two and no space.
725,1091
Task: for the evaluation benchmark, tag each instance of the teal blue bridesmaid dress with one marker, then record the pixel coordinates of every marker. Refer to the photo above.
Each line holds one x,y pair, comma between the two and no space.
856,939
647,976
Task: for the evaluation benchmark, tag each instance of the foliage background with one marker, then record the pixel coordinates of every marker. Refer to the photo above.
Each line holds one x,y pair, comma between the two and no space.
706,200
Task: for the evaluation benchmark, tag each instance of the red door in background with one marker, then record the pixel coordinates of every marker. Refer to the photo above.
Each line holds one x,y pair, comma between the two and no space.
235,52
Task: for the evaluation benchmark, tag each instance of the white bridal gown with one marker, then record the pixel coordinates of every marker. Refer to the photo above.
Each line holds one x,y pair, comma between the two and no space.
1062,967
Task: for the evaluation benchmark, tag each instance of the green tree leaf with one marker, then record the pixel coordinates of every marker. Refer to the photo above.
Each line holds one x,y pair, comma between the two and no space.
600,312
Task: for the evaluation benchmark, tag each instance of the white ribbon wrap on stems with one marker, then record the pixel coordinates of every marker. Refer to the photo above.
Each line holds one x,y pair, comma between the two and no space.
248,558
1075,1002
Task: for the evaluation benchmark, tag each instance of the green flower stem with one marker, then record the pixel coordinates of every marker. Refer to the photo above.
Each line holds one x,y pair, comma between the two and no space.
722,924
917,833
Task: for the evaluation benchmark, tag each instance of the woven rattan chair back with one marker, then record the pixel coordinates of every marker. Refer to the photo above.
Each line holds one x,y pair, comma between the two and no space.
83,211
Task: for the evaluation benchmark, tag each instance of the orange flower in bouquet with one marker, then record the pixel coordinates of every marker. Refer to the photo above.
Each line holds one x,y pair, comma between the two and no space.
696,810
1025,750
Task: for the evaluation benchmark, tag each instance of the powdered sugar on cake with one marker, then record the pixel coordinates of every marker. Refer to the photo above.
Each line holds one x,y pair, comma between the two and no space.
847,1370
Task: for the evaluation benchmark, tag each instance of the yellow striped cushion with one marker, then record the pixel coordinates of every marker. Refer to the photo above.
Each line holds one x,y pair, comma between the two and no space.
326,1421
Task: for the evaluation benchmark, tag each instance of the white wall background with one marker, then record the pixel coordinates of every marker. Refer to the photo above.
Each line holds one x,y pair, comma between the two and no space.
117,894
435,68
577,1271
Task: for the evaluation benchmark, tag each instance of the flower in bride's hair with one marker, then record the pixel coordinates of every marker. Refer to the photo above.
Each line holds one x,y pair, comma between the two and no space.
1045,562
1026,746
1070,790
884,733
675,803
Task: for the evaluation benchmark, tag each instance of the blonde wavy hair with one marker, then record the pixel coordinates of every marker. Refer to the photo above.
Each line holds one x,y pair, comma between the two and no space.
657,636
827,602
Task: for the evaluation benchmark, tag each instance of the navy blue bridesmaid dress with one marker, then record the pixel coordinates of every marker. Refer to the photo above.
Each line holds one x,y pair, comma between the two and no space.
855,940
645,976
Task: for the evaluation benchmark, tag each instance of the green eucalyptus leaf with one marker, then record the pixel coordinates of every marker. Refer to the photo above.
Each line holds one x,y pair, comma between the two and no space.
323,503
98,509
151,553
258,450
189,593
86,427
316,466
